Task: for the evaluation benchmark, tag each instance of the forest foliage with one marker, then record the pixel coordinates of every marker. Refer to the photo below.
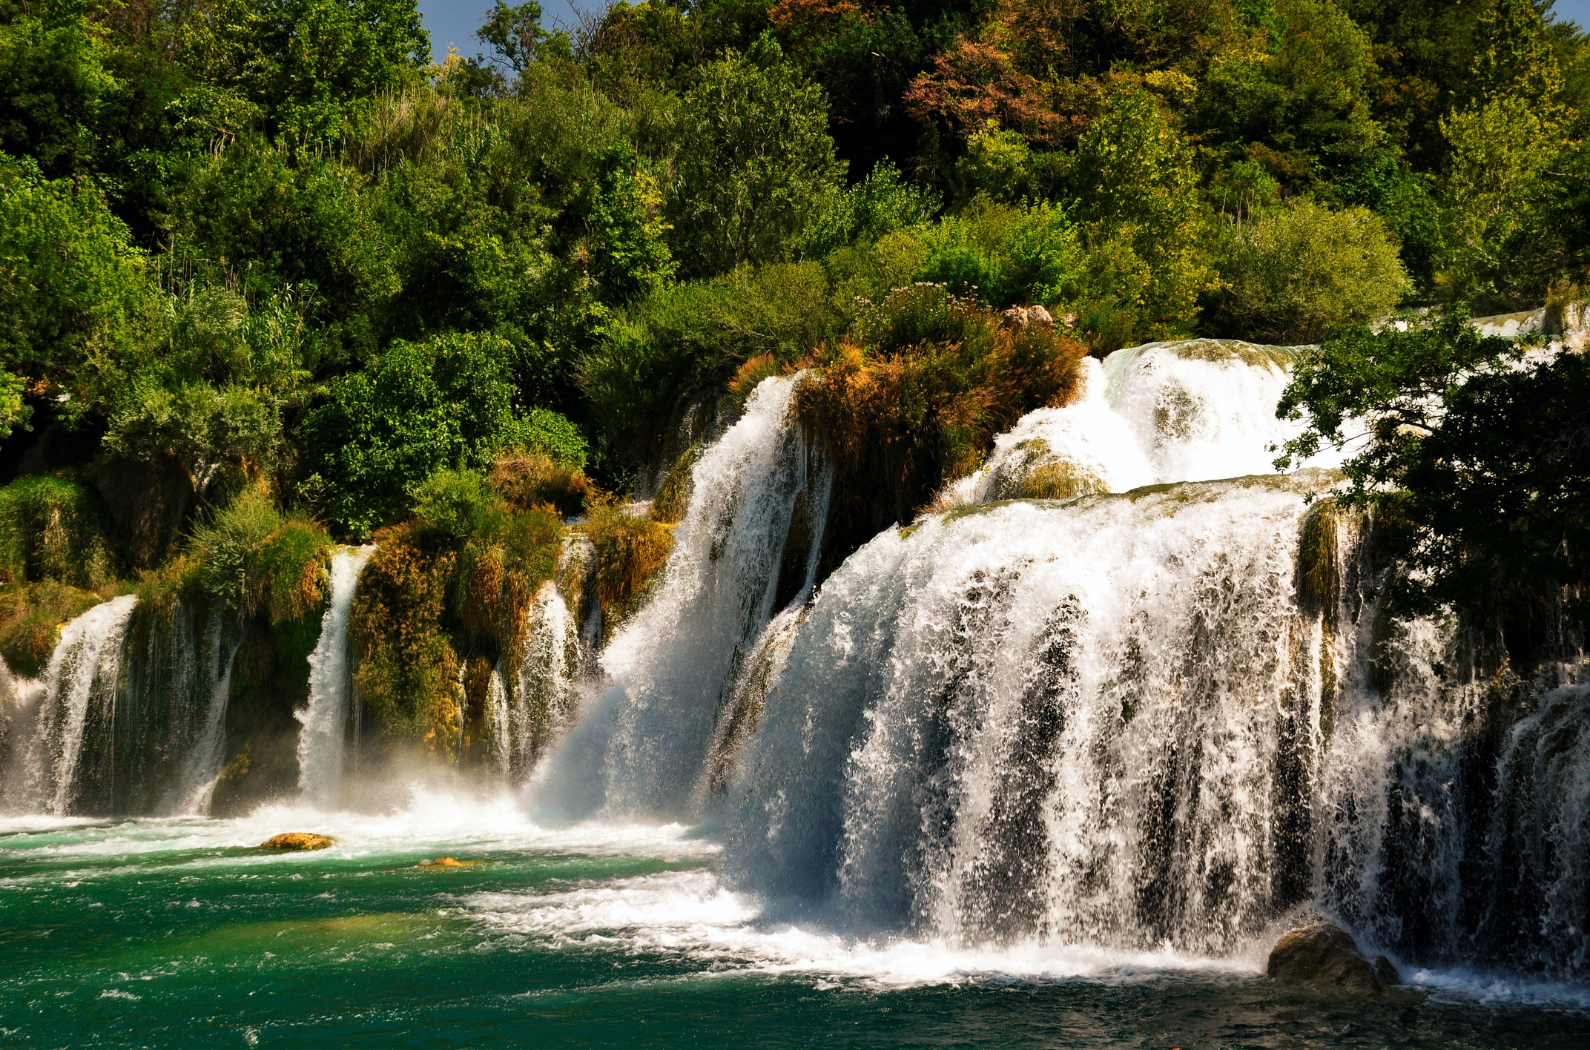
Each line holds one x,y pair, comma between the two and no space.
316,285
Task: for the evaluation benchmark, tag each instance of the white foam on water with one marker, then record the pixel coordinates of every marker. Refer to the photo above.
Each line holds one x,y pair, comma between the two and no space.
433,819
689,914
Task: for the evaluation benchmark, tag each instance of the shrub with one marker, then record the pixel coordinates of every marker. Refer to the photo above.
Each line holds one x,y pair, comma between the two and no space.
445,404
630,552
460,504
1294,274
915,397
1004,255
253,559
227,547
873,208
291,570
31,616
528,481
53,529
546,433
691,338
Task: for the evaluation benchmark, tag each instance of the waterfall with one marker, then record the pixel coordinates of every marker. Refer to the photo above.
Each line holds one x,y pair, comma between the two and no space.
644,744
544,695
1198,410
1170,715
1056,721
80,683
325,720
202,766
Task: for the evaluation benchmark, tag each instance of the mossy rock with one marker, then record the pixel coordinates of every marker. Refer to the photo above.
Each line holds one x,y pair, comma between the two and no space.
1325,957
52,528
289,841
1254,355
31,617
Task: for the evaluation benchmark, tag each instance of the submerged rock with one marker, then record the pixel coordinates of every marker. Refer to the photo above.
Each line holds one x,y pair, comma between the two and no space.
298,840
1324,956
447,862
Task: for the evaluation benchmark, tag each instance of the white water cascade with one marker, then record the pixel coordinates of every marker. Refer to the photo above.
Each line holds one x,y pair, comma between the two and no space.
324,721
545,696
1199,410
1163,717
83,674
643,745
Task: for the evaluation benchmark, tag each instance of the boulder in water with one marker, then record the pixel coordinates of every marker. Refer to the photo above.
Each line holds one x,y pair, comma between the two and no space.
298,840
1324,956
447,862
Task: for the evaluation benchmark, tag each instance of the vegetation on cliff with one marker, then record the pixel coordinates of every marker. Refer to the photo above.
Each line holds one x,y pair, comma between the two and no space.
270,279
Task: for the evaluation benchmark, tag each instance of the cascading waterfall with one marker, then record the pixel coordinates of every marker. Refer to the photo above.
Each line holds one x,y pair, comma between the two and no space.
1199,410
644,744
83,675
1134,719
1046,721
324,721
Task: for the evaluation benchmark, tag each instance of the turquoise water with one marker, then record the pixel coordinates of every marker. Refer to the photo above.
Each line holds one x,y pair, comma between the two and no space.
170,933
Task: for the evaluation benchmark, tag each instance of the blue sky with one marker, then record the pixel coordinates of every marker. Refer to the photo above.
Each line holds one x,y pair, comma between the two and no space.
455,21
1573,11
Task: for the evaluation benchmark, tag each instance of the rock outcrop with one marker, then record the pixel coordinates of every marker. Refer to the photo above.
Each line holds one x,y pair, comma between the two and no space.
298,840
1324,956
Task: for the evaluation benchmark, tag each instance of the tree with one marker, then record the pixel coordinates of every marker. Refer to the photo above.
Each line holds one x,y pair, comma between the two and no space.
418,408
1300,271
1475,458
515,34
1138,197
755,163
70,281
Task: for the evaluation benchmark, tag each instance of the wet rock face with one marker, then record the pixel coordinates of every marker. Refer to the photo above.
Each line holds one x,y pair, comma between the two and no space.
1325,957
298,840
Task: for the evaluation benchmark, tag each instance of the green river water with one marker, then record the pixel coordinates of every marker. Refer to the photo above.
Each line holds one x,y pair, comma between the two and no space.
175,933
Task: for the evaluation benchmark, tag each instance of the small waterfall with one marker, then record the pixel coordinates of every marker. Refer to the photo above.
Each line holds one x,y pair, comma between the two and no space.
1198,410
202,766
325,720
81,681
642,747
544,697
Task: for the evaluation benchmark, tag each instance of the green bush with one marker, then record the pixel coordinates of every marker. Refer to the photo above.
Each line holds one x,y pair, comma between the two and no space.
227,546
445,404
1294,274
31,616
53,529
460,503
1004,255
875,207
691,338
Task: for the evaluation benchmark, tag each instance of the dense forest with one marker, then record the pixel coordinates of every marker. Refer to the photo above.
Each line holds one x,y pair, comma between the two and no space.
270,279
